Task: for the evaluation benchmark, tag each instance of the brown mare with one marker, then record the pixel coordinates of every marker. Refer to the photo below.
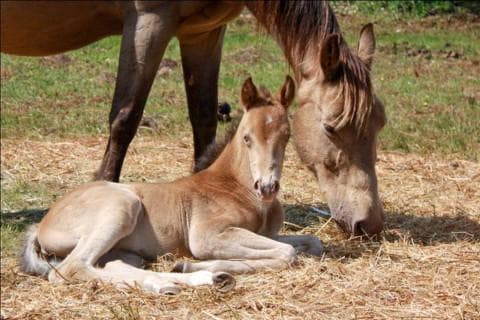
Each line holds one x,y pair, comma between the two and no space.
227,214
338,119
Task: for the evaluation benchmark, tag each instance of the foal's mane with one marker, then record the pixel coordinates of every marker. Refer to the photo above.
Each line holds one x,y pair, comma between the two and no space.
300,26
214,149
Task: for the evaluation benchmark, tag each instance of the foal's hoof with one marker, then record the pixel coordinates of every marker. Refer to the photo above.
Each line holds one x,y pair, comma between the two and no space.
169,290
223,281
180,267
155,285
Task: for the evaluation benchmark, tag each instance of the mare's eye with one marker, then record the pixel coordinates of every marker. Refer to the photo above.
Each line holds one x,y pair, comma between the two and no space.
330,164
330,130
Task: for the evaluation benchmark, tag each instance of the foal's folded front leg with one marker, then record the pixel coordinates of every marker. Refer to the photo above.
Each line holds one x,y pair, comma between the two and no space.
303,243
236,250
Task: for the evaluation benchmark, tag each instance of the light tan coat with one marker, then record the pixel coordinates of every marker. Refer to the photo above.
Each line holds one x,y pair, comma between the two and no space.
227,215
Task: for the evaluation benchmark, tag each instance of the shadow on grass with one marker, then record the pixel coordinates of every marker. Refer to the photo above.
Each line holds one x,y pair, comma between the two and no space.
425,230
399,226
19,220
431,230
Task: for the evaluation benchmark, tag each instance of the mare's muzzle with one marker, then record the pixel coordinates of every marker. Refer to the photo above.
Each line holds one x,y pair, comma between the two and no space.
354,223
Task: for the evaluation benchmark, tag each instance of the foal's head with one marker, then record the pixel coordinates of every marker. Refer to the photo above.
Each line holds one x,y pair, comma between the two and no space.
263,134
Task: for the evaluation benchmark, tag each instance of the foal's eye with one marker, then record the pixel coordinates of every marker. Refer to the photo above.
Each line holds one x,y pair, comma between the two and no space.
246,139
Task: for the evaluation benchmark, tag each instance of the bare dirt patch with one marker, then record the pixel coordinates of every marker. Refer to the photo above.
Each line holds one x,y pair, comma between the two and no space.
56,61
426,263
5,73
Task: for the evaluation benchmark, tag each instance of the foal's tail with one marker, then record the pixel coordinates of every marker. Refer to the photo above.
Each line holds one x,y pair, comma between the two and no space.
31,258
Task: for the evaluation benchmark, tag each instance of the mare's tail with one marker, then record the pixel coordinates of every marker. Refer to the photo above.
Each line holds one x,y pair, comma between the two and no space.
31,258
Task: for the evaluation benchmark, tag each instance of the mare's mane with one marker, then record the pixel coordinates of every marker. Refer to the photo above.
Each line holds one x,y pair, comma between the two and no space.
300,26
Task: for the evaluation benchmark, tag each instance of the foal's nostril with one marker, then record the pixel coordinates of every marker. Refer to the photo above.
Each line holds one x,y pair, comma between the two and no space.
275,187
256,185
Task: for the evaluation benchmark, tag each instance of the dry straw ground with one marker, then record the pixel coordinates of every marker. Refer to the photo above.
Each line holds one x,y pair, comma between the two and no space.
425,265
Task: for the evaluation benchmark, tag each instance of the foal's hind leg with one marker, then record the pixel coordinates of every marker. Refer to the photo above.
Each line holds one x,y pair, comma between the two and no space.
162,282
116,218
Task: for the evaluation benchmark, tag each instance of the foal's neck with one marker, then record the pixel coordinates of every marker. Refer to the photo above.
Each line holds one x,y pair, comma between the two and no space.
233,163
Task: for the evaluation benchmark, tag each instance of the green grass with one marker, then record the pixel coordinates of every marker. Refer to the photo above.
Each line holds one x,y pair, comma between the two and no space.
432,101
73,99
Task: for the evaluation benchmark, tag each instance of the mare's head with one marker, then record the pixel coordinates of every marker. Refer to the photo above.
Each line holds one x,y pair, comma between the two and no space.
336,128
263,134
338,120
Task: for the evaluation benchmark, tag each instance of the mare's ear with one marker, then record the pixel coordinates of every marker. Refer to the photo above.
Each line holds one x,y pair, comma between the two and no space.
366,45
287,93
249,94
330,56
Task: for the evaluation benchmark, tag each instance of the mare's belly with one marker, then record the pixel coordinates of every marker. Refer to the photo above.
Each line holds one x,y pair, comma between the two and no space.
40,28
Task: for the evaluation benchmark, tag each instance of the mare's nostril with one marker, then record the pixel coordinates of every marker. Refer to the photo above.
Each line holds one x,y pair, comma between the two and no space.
356,229
256,185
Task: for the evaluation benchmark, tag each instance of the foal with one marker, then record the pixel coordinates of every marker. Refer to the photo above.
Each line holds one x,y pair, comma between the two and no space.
227,214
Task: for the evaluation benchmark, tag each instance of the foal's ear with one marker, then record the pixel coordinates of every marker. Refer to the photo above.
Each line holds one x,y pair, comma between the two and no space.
366,45
330,56
249,94
287,93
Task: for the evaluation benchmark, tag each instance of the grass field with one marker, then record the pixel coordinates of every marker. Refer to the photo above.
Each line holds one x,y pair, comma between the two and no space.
425,265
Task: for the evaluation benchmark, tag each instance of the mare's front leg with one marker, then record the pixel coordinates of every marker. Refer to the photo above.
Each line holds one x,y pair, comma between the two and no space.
146,33
201,65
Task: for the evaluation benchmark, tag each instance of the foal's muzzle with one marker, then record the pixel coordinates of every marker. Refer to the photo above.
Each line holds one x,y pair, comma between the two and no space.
266,191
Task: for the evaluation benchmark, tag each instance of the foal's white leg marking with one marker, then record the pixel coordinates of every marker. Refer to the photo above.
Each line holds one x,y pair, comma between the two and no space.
163,282
117,217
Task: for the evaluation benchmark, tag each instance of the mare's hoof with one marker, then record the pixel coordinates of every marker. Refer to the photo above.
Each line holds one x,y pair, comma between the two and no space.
223,281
